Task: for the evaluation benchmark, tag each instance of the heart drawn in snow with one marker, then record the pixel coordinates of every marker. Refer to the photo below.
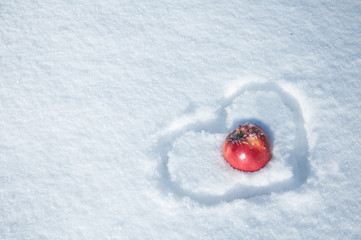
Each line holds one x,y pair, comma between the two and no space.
192,164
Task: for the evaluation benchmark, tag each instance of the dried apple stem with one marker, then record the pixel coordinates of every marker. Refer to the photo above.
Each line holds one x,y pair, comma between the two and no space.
239,129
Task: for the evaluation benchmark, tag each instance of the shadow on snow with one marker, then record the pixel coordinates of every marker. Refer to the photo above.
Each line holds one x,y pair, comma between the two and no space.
218,125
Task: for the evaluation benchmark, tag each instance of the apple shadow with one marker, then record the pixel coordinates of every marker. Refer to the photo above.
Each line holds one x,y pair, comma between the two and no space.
218,125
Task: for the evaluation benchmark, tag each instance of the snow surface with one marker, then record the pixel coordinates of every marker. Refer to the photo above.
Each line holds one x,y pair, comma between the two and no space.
193,169
113,114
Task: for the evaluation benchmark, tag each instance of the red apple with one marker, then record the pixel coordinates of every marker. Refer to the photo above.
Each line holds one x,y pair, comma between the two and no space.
247,148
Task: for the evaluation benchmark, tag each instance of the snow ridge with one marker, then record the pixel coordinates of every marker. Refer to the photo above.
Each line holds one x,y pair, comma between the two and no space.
292,147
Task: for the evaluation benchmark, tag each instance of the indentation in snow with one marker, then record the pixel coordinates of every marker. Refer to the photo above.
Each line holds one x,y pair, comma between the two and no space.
192,164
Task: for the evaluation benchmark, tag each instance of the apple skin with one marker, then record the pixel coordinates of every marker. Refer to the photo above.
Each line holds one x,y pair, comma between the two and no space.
247,148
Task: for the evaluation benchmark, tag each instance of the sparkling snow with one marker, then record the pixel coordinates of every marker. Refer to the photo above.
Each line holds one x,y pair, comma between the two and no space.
113,116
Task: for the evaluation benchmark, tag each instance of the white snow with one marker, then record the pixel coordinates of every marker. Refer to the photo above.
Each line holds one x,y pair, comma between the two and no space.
196,163
113,116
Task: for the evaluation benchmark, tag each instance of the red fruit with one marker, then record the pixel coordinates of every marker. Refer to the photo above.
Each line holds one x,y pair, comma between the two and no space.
247,148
